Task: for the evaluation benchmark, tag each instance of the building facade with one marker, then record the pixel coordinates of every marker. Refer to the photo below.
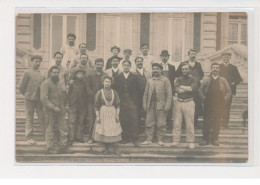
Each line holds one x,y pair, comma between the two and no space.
210,33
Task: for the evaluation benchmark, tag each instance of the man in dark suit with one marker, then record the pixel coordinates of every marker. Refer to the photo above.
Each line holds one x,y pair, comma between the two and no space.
197,73
127,88
94,83
168,72
231,74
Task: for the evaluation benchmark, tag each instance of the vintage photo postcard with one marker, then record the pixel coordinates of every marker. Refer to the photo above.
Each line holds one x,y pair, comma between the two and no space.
129,87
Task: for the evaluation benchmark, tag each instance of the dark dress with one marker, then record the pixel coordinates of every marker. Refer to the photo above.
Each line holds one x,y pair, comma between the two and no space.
128,91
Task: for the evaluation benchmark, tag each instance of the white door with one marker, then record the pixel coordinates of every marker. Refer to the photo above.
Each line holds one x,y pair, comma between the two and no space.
170,36
119,30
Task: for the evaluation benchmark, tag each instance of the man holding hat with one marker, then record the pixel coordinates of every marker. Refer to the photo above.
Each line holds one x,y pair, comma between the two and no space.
115,52
77,99
156,102
30,88
169,72
231,74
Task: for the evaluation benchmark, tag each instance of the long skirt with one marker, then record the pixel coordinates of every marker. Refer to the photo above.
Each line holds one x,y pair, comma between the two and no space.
108,130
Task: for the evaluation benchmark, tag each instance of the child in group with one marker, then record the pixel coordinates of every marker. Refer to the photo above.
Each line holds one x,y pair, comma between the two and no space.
107,107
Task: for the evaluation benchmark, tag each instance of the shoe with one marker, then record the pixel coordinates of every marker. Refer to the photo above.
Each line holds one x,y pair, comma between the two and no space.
191,145
124,141
65,150
91,141
215,143
160,143
147,143
203,143
51,151
174,144
31,142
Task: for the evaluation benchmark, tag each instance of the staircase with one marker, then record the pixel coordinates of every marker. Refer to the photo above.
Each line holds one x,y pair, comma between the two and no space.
233,142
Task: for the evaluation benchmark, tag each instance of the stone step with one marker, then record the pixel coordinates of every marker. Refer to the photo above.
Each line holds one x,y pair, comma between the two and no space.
223,139
228,131
96,157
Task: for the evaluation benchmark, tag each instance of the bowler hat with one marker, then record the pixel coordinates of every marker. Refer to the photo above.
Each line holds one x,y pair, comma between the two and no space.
226,53
165,53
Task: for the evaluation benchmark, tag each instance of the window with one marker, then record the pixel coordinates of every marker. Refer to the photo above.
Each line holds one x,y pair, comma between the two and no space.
237,30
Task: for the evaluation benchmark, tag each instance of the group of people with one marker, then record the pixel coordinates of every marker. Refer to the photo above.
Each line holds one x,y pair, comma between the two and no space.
113,99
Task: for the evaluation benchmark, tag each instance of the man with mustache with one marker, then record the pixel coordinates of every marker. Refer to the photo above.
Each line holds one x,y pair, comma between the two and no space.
115,69
82,65
142,77
54,103
69,51
127,89
231,74
30,88
214,93
156,102
197,73
94,83
83,51
168,72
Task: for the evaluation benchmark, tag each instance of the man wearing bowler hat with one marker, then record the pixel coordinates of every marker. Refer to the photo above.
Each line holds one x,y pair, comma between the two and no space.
231,74
169,72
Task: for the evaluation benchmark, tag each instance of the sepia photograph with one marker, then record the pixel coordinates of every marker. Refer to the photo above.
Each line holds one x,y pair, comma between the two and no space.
128,87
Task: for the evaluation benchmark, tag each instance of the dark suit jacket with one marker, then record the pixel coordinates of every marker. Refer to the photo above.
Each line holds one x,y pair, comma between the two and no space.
132,84
94,83
108,64
196,71
77,94
172,75
231,74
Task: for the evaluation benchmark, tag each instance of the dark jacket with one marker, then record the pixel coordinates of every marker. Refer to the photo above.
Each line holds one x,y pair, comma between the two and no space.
132,84
231,74
94,83
196,71
108,64
77,94
52,96
172,75
224,88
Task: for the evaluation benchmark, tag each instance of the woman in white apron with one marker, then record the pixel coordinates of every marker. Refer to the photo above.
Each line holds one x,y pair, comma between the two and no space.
107,107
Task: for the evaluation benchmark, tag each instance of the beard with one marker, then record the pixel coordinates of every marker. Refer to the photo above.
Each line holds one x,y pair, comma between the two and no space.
55,79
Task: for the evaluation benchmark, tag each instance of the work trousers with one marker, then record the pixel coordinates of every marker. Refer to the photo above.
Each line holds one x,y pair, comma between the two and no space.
226,113
30,107
184,110
77,118
155,123
56,124
91,120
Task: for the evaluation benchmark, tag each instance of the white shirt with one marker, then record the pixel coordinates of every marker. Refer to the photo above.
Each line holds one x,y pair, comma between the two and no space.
192,64
165,66
115,69
141,71
215,77
69,53
148,60
225,64
126,75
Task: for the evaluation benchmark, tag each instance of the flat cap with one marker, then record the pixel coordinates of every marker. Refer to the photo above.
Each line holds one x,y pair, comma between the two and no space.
157,65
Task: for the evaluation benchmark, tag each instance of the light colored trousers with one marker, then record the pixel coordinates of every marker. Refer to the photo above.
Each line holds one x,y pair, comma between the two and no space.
184,110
